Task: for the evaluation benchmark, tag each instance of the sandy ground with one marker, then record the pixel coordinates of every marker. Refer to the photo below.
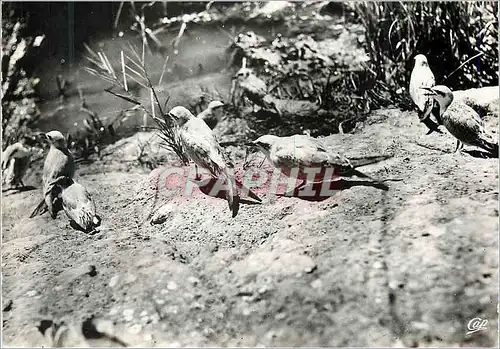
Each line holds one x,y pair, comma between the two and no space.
365,267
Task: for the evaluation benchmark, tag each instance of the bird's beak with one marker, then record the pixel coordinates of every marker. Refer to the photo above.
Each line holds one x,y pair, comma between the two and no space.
172,116
430,91
251,144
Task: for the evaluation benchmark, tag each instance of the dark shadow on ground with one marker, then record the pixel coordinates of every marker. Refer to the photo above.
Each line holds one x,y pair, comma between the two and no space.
19,190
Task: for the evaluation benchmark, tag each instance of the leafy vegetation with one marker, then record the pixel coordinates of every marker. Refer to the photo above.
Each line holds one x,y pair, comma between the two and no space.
460,40
19,108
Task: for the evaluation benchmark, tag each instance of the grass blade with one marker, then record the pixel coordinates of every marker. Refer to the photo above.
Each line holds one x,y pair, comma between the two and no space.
127,98
123,71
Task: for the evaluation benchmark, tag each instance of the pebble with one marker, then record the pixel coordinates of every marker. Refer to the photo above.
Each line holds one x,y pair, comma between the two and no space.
316,284
208,332
173,309
262,290
193,280
160,301
378,265
114,281
128,314
280,316
135,329
143,313
130,278
113,311
197,305
31,293
246,311
171,285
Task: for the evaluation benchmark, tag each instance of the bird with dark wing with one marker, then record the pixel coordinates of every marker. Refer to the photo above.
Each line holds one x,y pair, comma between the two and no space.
77,204
462,121
58,163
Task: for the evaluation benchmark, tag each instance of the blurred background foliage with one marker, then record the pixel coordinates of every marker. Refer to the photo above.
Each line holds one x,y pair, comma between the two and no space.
348,57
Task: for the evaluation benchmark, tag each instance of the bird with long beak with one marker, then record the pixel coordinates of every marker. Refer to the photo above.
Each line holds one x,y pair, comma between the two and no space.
422,76
58,163
209,115
16,159
301,152
77,204
201,146
461,120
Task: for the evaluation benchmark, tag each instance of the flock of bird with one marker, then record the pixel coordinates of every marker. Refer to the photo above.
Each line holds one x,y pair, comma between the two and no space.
62,192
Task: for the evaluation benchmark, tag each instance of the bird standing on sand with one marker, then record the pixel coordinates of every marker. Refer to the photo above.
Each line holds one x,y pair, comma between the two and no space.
77,204
302,152
200,144
209,115
58,163
16,159
422,76
462,121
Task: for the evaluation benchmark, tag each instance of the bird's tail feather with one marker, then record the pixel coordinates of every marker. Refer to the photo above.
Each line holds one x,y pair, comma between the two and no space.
368,160
489,146
362,175
40,209
232,195
247,190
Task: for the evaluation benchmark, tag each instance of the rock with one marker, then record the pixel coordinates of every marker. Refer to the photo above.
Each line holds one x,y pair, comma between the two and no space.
162,214
193,280
128,314
135,329
316,284
114,281
31,293
171,286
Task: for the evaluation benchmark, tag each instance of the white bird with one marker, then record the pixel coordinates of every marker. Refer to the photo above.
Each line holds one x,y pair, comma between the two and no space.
78,205
422,76
301,152
58,163
462,121
201,146
209,115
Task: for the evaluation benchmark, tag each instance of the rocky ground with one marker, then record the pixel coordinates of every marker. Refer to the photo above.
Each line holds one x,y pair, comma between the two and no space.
405,267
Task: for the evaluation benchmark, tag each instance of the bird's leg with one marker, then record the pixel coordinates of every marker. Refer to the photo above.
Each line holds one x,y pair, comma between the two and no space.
459,144
198,176
295,190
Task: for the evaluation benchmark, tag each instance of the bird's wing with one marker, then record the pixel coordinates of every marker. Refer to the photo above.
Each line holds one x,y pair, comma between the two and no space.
57,164
299,150
201,146
77,203
421,77
463,122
